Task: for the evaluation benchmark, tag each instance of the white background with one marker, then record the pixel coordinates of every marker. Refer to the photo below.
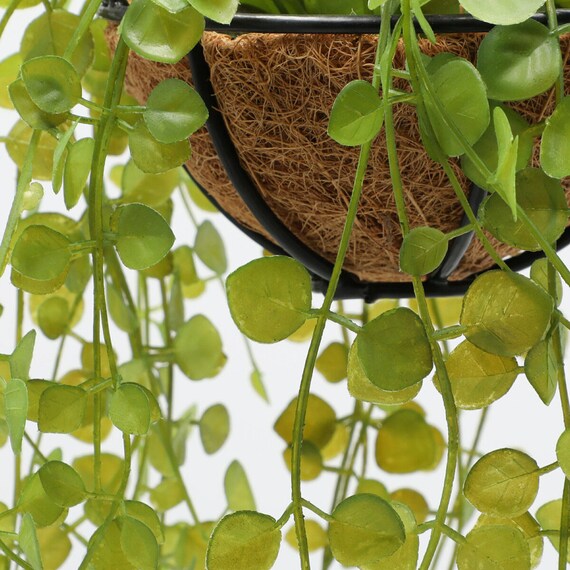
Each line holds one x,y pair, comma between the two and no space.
519,420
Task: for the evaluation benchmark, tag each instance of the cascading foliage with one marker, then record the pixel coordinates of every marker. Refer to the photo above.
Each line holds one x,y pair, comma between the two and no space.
117,253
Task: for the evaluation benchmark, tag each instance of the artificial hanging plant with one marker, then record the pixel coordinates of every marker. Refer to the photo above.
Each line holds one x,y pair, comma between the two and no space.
112,251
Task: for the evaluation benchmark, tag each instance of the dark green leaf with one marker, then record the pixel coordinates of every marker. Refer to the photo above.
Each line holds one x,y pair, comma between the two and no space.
555,143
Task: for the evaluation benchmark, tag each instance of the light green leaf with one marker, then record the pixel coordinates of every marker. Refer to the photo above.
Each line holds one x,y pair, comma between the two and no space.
422,251
143,236
145,514
29,111
21,359
333,361
539,274
221,11
62,484
505,313
59,156
209,247
138,544
156,34
214,428
34,500
357,114
242,541
9,69
55,547
16,408
130,409
394,350
62,409
198,349
256,379
503,483
112,468
364,529
549,516
167,494
152,156
518,62
563,452
555,142
41,253
150,189
503,12
541,367
316,536
52,83
77,169
237,488
311,460
28,541
269,298
174,111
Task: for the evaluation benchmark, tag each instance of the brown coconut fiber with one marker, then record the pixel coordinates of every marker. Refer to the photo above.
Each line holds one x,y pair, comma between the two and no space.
275,92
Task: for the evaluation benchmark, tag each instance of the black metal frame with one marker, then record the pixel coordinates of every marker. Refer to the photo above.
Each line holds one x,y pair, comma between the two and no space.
350,286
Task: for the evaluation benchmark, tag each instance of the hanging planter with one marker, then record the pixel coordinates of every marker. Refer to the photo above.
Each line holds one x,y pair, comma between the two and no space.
267,161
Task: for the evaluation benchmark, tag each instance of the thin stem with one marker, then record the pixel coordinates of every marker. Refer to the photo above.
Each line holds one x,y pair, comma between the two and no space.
14,557
317,511
345,322
8,13
564,526
88,14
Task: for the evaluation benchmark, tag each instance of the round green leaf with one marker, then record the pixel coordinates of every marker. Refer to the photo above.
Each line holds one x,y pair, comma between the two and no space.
153,156
174,111
541,367
151,189
357,114
549,518
34,500
143,236
332,362
320,422
269,298
539,274
555,142
198,349
167,494
479,378
41,253
406,443
138,544
563,452
543,200
503,483
16,411
62,483
494,547
29,111
237,488
143,513
218,10
9,69
130,409
209,247
52,83
505,313
394,350
361,388
519,62
61,409
55,547
214,428
311,460
156,34
364,529
77,169
316,536
504,12
422,251
53,316
242,541
33,195
50,33
462,93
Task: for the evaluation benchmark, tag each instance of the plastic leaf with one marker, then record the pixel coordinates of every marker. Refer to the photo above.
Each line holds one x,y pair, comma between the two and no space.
394,350
61,409
138,543
505,313
16,406
269,298
494,546
198,349
52,83
174,111
154,33
422,251
214,428
364,529
406,443
41,253
518,62
357,114
28,541
504,12
218,10
143,236
155,157
29,111
242,541
77,168
9,69
167,494
111,472
34,500
209,247
316,536
106,547
555,143
541,368
62,484
146,515
150,189
563,452
237,488
548,515
333,361
55,547
320,422
502,483
311,460
130,409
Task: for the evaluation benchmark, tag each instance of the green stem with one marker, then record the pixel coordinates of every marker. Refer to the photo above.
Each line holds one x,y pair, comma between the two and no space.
168,345
8,13
345,322
24,180
87,16
564,526
317,511
14,557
